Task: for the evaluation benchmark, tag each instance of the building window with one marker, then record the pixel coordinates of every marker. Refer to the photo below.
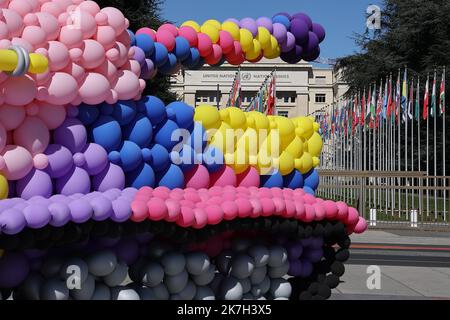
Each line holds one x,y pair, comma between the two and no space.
286,97
320,97
283,114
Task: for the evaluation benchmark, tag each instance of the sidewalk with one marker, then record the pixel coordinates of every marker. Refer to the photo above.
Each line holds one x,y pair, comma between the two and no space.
407,237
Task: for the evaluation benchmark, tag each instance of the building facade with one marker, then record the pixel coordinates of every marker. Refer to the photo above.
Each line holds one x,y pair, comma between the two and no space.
301,88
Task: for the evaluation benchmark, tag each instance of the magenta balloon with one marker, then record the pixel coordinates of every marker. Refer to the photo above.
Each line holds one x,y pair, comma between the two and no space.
96,159
12,221
289,44
300,30
37,216
71,134
60,160
280,32
75,181
102,208
35,183
304,17
266,23
112,177
319,31
60,213
250,25
80,211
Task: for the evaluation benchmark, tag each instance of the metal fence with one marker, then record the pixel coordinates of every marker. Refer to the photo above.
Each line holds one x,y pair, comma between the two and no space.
391,198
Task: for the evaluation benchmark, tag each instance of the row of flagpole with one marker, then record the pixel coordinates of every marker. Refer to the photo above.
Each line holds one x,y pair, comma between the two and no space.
265,99
373,122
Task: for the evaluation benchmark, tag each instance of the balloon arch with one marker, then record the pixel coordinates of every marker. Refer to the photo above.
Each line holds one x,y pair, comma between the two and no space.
93,175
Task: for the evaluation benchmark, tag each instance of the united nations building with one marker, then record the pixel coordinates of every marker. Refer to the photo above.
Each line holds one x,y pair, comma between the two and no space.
301,89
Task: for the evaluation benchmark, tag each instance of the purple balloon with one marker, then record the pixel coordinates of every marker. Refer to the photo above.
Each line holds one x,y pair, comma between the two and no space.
266,23
102,208
109,178
129,193
35,183
313,254
250,25
307,268
313,55
71,134
139,55
294,56
60,213
304,17
9,203
319,31
236,21
295,268
317,242
283,14
12,221
127,250
37,216
295,250
289,44
299,29
80,211
148,69
313,43
12,189
14,268
76,181
112,194
60,198
60,160
96,159
121,210
280,32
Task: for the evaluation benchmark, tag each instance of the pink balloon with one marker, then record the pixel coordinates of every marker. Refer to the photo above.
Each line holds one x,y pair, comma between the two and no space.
353,216
197,178
244,206
106,36
116,19
52,115
224,177
342,210
19,91
189,34
11,116
215,56
95,89
257,207
33,135
62,89
150,32
361,226
331,209
35,35
309,213
226,41
186,217
76,71
140,210
3,137
320,211
214,213
201,218
157,209
17,162
230,210
204,45
58,55
173,210
108,70
170,28
89,6
86,23
166,38
52,8
93,54
268,207
290,209
127,86
49,24
14,22
21,7
71,37
280,205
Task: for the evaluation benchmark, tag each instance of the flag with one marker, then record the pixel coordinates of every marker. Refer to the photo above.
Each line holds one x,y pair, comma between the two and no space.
426,99
397,98
389,104
411,100
272,97
372,107
442,95
404,94
417,108
362,120
379,106
433,98
385,101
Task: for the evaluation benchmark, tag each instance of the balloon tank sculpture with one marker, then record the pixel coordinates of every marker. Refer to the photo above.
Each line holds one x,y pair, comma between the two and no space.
152,201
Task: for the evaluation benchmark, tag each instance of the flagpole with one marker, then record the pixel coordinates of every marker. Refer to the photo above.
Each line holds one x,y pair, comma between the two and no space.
411,103
443,147
406,113
419,153
435,151
428,153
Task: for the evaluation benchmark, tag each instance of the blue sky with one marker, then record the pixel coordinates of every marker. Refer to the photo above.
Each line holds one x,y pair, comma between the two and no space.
340,18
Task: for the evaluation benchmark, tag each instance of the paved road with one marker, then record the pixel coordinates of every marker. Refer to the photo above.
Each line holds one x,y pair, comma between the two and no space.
413,266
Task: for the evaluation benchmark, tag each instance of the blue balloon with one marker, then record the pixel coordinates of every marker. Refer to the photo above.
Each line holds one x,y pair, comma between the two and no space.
140,131
312,179
146,43
124,112
141,177
293,180
197,139
154,108
181,113
128,158
160,158
166,134
160,55
132,37
274,180
87,114
186,158
309,191
106,132
171,178
283,20
193,58
213,159
199,65
169,66
182,48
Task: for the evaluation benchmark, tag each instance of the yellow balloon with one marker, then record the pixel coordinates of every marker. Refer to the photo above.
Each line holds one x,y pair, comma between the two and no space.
305,163
257,120
211,31
315,144
316,162
273,51
215,23
4,189
235,117
286,163
264,37
192,24
246,40
208,116
304,126
223,138
286,129
256,52
241,161
248,142
295,148
233,29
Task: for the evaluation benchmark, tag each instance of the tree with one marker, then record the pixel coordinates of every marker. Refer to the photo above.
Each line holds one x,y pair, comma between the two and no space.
145,13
